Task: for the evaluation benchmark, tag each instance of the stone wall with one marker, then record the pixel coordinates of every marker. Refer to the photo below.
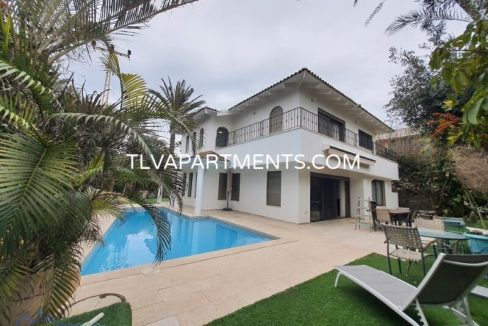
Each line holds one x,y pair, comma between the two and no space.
471,168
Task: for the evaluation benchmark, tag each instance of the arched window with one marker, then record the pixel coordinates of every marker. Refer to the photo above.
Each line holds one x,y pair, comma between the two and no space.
222,137
200,140
276,120
187,143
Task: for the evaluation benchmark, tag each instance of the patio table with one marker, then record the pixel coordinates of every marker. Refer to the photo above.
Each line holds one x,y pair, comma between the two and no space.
444,236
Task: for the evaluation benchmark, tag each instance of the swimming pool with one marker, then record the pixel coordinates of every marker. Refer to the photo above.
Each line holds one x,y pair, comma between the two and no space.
133,242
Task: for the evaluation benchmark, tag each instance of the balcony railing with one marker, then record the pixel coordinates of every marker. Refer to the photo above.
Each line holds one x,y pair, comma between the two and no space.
385,152
301,118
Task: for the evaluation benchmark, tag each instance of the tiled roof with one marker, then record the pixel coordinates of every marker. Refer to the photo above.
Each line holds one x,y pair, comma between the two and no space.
202,109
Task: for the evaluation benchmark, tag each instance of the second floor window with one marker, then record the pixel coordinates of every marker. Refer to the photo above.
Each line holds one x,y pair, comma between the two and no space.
200,140
187,143
331,126
365,140
193,142
222,139
276,120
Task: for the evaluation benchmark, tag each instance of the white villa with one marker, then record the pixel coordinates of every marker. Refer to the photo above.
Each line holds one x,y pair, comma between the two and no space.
301,114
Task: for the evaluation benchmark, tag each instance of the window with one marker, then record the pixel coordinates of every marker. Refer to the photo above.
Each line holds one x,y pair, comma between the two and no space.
331,126
193,142
378,190
190,184
200,140
196,179
184,184
276,120
365,140
273,188
187,143
236,185
222,137
222,186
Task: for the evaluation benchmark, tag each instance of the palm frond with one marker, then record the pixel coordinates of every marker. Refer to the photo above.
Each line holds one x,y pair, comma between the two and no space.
34,179
13,272
120,125
375,11
23,78
61,278
163,110
426,19
21,120
105,204
160,219
65,26
93,168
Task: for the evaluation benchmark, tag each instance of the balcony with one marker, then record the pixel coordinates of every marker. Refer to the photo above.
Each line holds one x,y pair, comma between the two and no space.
304,119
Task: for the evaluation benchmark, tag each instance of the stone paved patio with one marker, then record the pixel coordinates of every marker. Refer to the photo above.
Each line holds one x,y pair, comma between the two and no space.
196,290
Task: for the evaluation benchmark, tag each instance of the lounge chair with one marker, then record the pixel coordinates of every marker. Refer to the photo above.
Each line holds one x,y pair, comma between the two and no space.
480,291
448,283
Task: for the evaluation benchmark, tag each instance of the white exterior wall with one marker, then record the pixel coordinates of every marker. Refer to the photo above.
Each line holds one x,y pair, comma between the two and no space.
210,127
295,194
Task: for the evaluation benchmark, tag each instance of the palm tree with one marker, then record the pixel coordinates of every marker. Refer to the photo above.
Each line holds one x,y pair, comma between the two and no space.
177,99
60,147
432,14
66,27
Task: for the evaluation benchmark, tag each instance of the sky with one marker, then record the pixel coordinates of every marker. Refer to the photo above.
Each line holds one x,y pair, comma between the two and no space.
228,50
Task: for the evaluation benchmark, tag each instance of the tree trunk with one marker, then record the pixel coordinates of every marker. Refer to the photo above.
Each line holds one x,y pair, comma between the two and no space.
172,140
107,180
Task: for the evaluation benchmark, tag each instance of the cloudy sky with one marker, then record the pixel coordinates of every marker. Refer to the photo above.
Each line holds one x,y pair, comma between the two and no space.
230,49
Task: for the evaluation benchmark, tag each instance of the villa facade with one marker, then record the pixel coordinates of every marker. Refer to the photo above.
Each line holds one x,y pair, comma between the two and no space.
301,115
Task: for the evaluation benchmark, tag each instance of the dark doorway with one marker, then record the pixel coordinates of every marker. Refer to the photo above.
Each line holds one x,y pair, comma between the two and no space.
325,197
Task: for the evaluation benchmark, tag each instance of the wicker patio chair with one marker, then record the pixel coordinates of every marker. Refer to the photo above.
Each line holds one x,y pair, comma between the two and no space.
448,284
407,246
411,217
382,215
372,210
434,224
426,214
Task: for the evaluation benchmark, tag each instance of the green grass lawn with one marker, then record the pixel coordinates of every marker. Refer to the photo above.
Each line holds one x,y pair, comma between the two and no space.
118,314
318,302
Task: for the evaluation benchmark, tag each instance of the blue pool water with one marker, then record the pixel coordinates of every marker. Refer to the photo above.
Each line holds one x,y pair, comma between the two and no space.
133,242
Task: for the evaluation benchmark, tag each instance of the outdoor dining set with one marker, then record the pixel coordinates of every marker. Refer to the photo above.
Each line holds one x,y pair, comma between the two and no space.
412,235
